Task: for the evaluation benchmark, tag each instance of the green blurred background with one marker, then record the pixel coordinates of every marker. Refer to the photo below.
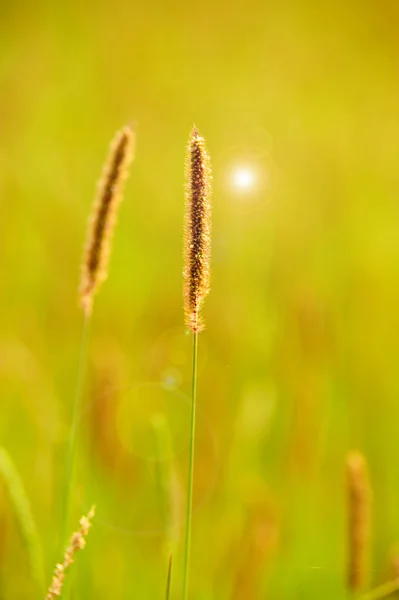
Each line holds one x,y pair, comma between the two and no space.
299,360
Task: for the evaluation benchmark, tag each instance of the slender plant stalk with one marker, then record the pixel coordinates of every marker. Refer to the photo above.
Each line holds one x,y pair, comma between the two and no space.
191,467
95,271
71,454
161,481
169,579
168,485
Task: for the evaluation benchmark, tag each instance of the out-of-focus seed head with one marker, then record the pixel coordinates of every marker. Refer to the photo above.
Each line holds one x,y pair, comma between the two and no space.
359,521
103,218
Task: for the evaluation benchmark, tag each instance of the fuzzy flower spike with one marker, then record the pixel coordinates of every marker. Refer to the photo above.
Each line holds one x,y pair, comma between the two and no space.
197,242
103,219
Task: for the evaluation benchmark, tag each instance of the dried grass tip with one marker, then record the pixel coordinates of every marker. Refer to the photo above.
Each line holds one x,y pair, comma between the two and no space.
103,218
359,521
76,543
197,242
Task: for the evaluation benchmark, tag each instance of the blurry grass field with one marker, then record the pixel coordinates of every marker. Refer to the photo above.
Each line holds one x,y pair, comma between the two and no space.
299,361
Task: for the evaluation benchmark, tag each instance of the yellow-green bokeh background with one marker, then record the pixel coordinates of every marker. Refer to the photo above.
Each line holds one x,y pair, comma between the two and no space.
299,361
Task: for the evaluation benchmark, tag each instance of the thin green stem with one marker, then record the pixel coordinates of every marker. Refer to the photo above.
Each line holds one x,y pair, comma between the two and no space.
382,591
71,453
190,468
169,579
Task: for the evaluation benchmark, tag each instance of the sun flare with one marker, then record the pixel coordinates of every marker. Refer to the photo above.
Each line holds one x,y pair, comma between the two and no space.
243,178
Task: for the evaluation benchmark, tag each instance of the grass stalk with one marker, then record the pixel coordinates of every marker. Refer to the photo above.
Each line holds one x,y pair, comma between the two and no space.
94,272
190,468
197,249
72,444
168,485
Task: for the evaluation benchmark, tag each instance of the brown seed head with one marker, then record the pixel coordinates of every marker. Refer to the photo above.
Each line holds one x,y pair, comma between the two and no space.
76,543
103,219
197,243
359,521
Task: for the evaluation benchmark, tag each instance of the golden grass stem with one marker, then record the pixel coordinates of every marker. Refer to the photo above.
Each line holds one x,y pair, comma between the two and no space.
77,542
24,519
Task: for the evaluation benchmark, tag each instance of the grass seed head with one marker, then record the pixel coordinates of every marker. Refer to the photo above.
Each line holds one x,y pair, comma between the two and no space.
103,218
197,229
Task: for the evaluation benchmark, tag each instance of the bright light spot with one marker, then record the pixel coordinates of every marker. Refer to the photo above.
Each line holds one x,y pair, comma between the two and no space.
243,178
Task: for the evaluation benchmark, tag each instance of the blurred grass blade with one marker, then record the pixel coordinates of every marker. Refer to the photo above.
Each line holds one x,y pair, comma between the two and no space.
382,591
169,580
24,519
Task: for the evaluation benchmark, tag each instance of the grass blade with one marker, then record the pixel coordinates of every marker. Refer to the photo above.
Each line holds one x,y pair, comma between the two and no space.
24,518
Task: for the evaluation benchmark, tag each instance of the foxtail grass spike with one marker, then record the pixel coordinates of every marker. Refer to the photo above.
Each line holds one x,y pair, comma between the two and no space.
197,245
76,543
103,219
24,518
359,521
